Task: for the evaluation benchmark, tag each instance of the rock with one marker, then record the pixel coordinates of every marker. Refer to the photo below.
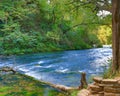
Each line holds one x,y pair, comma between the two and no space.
119,83
101,85
7,69
116,85
104,87
111,90
95,88
96,95
111,94
117,78
97,79
93,92
101,93
109,81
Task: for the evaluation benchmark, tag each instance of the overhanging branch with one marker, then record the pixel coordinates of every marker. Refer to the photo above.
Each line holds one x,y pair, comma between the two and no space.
86,24
97,5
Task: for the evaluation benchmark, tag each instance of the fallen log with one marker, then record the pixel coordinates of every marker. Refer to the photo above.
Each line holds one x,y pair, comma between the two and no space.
60,87
63,87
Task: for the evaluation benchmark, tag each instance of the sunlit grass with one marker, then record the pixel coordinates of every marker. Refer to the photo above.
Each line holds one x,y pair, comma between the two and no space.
108,74
21,85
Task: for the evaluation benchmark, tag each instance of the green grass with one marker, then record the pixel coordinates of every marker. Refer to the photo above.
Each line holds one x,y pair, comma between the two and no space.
109,74
21,85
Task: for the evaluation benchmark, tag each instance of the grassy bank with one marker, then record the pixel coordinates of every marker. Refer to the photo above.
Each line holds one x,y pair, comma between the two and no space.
21,85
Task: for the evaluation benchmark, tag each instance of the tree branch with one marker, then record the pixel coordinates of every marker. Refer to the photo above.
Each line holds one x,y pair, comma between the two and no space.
86,24
97,5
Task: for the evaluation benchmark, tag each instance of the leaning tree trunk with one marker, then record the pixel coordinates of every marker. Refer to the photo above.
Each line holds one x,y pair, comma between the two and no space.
116,35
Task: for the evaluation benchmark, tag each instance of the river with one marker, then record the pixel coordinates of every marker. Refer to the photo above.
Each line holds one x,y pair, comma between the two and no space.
62,67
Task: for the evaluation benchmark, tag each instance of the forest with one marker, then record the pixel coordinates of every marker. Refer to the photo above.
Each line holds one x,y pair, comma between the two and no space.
31,26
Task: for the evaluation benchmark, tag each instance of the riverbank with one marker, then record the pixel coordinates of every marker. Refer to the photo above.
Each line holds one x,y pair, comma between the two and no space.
22,85
33,51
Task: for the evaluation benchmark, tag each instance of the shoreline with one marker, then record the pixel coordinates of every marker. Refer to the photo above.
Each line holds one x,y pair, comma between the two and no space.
18,54
21,85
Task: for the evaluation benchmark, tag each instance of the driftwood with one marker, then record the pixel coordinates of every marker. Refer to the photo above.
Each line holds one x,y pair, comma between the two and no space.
63,87
83,81
7,69
66,88
60,87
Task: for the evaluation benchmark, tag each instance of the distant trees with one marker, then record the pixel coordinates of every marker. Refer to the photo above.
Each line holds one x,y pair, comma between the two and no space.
104,34
38,25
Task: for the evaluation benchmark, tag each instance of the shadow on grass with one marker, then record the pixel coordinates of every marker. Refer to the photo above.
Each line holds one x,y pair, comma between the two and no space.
22,85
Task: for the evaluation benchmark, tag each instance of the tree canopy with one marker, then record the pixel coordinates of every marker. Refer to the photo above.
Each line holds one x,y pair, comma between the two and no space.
50,25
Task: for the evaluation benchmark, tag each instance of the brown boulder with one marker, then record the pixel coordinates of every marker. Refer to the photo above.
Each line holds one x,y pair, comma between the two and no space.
111,90
109,81
97,79
95,88
111,94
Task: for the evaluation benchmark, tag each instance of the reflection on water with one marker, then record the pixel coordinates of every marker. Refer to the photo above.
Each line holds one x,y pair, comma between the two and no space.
61,67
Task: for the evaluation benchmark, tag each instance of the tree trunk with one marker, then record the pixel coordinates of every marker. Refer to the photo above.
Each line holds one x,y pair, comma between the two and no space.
116,35
83,81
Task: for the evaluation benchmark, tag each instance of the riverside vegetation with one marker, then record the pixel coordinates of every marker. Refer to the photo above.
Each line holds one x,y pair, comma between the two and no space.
28,26
21,85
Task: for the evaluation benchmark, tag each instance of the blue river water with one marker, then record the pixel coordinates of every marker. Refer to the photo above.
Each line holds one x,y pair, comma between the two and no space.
62,67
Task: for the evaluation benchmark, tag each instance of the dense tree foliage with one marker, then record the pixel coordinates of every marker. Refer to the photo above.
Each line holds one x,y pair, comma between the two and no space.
112,6
49,25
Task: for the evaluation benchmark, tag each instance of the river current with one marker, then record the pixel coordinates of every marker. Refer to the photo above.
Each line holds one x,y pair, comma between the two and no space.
62,67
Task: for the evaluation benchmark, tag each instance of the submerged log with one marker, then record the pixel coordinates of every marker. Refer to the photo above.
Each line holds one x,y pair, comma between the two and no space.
7,69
